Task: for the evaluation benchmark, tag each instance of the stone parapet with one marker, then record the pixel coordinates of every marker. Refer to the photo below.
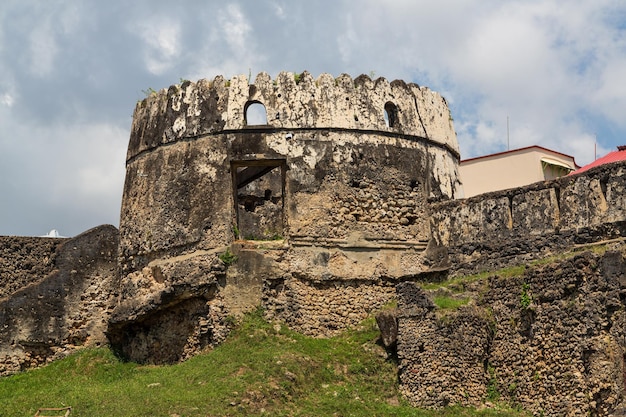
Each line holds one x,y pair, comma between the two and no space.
522,223
292,102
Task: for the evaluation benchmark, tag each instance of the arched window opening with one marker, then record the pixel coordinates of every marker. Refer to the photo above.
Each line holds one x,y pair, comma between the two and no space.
255,113
391,114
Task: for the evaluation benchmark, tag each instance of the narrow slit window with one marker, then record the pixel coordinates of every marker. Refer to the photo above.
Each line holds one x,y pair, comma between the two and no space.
255,114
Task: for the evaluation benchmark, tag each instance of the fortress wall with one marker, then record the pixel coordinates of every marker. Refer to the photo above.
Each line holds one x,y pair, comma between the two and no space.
24,261
206,107
179,198
558,351
66,307
343,170
493,228
324,308
345,196
176,197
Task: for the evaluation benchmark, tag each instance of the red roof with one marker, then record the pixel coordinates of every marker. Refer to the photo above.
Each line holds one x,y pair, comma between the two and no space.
615,156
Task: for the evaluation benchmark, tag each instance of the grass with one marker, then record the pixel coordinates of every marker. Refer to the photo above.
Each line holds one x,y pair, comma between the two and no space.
261,369
449,303
458,284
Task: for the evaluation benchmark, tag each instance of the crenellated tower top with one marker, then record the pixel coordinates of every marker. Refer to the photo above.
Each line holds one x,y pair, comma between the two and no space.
292,102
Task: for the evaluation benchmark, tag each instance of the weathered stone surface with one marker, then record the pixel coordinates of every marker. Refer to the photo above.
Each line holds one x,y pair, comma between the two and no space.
65,309
25,260
387,322
512,226
551,340
345,191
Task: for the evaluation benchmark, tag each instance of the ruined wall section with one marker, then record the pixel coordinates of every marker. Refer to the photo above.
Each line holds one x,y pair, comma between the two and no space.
499,228
550,339
24,261
64,309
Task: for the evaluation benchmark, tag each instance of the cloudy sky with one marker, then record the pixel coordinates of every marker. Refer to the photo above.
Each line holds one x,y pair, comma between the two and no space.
71,72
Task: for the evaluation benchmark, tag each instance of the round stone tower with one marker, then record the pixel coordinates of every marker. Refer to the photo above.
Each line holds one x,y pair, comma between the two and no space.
295,193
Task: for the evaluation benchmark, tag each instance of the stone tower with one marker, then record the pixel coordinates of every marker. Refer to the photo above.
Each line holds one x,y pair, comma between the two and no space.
319,187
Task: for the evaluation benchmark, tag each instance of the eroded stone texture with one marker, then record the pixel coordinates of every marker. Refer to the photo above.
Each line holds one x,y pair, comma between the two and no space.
25,260
512,226
343,192
329,139
442,359
64,309
551,340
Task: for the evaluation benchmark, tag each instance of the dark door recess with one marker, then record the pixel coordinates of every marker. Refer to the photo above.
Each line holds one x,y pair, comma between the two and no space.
258,191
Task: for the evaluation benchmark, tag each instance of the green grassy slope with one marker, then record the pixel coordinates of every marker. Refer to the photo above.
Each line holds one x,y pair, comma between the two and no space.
262,369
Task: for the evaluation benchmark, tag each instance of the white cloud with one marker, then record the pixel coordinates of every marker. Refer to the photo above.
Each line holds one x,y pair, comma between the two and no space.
346,40
64,176
279,10
229,47
7,99
161,37
235,28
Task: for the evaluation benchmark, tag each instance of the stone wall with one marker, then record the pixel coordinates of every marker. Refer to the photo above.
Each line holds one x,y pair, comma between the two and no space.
64,308
344,194
292,102
343,169
170,310
25,260
510,226
551,339
324,309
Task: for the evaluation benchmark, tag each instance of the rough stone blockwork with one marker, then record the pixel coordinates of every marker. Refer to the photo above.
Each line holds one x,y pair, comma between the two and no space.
507,227
64,308
24,260
315,209
551,340
325,309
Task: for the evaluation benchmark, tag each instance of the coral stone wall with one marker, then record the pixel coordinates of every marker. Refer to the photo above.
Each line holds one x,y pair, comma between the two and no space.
491,230
344,169
62,307
344,192
551,340
25,260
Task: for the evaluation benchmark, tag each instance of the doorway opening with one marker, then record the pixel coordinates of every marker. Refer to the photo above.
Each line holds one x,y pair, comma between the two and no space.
259,196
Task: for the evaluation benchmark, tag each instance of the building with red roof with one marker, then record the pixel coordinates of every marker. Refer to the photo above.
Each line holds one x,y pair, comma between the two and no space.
615,156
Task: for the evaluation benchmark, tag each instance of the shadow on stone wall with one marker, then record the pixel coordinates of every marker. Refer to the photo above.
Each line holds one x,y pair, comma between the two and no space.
66,308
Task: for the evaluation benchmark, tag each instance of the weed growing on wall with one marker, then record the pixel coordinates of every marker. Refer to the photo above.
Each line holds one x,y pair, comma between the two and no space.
492,386
236,232
149,92
526,298
452,303
228,257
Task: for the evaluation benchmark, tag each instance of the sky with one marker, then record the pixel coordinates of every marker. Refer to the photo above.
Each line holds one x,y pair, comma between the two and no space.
71,72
